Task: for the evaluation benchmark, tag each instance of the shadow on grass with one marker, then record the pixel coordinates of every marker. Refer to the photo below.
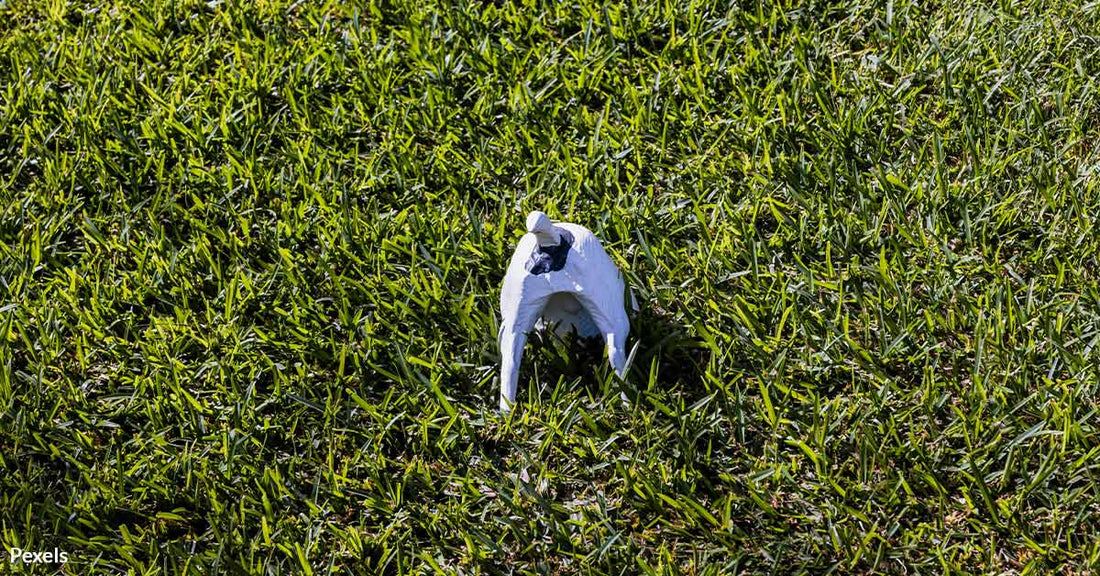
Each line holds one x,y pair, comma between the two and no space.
552,361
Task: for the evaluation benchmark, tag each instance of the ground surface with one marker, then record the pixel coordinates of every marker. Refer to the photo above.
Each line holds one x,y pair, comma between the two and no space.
249,267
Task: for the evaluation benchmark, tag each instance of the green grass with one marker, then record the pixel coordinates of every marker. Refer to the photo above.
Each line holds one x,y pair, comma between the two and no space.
250,257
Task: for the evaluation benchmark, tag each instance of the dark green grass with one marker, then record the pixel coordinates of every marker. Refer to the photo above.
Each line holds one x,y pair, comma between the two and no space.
251,256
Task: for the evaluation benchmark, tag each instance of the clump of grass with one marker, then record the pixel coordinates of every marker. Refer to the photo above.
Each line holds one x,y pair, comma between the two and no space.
250,258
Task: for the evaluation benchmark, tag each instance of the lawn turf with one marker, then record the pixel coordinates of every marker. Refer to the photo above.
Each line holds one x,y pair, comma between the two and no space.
250,256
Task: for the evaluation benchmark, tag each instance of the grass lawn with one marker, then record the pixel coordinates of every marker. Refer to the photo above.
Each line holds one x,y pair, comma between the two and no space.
250,257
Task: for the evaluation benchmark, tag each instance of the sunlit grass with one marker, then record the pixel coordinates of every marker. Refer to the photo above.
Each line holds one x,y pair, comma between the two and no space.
250,257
